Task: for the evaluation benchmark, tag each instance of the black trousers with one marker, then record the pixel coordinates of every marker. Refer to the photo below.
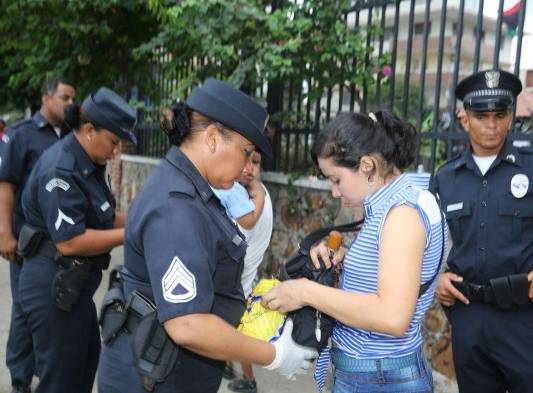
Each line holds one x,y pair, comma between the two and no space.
19,349
66,344
492,348
117,373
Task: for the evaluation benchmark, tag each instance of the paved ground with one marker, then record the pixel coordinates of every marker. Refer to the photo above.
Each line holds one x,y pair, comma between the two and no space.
268,382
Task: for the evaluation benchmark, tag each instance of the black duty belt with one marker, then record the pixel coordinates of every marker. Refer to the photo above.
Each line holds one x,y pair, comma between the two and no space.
48,250
504,292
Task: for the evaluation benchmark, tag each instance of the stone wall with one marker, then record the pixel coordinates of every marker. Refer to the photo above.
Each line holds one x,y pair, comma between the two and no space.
300,206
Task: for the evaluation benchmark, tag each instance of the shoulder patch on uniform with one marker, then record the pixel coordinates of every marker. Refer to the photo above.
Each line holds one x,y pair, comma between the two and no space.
62,217
57,182
178,283
5,138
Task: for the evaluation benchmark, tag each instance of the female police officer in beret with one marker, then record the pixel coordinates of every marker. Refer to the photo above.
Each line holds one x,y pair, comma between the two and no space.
183,253
71,227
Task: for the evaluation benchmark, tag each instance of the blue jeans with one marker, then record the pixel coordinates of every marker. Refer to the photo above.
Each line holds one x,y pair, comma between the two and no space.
409,374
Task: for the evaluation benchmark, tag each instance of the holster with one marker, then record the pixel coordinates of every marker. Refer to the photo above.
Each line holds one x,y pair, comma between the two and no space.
68,284
112,312
156,355
29,241
504,292
510,290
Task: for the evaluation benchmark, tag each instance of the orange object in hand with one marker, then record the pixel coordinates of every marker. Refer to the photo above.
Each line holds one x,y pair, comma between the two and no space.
335,239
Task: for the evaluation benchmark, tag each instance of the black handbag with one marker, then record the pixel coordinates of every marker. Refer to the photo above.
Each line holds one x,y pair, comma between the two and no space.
312,328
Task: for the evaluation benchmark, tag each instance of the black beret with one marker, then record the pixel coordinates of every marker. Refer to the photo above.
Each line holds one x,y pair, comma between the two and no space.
234,109
489,91
106,109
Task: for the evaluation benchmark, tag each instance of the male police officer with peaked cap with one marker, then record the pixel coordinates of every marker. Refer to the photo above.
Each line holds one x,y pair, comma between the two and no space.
25,141
184,254
487,196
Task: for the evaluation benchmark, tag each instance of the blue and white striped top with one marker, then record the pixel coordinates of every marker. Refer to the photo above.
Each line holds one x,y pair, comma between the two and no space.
362,262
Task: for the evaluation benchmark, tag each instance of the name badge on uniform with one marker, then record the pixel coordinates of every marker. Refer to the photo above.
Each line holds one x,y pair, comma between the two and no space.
453,207
519,185
106,205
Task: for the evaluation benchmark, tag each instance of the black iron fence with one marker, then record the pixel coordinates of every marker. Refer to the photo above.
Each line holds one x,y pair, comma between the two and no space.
417,51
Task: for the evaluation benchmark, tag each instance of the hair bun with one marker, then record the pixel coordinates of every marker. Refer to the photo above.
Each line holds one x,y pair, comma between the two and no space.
404,137
175,123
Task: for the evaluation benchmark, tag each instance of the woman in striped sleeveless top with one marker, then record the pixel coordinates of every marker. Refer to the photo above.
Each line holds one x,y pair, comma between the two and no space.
377,341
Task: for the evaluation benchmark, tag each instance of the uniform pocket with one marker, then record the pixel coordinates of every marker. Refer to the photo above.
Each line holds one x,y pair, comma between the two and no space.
228,273
105,213
516,216
457,216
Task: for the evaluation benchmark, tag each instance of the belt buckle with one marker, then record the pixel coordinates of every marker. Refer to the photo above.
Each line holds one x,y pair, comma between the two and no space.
477,292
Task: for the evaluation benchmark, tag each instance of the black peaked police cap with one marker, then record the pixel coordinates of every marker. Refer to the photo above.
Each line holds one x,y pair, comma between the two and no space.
106,109
489,91
234,109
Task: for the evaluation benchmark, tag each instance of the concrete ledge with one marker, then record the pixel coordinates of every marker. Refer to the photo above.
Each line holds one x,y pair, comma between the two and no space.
139,159
272,177
308,181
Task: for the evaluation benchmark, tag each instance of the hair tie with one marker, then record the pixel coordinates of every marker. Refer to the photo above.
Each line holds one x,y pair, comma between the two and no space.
373,117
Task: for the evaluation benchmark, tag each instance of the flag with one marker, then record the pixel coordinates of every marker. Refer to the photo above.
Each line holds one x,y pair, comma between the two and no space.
511,18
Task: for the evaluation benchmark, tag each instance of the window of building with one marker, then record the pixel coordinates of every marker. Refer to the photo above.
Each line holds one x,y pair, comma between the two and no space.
388,34
482,33
419,28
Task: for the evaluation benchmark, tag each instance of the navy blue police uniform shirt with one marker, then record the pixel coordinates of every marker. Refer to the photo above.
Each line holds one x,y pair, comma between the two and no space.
24,143
67,193
490,217
181,250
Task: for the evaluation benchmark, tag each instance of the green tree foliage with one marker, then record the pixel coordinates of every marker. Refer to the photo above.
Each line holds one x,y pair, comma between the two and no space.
89,41
250,40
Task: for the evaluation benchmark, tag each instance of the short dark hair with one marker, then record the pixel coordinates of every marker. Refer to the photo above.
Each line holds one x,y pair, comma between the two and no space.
2,122
50,85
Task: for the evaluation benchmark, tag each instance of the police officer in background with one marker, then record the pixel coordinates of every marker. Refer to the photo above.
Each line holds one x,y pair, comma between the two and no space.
487,196
184,255
71,226
24,143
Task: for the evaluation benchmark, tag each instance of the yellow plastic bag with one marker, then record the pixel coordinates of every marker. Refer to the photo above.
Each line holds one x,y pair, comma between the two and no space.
258,321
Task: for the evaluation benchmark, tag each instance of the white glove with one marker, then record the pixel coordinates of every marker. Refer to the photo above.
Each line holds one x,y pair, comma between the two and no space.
291,358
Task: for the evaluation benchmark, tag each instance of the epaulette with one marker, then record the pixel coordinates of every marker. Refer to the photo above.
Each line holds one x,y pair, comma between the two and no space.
183,186
525,149
18,125
66,162
450,163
